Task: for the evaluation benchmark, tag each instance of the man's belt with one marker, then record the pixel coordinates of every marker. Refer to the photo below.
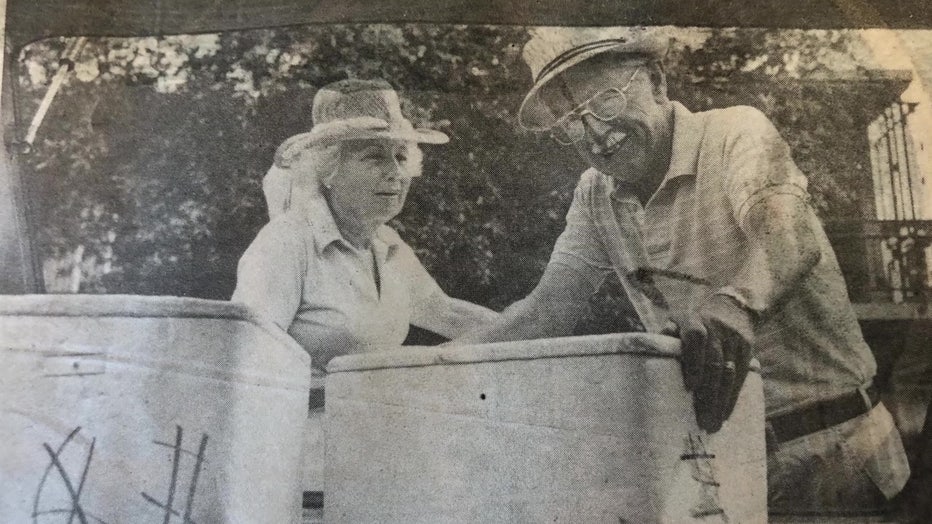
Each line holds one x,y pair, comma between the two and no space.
822,415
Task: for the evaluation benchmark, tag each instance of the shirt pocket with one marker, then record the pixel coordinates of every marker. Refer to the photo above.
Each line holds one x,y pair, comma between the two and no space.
667,220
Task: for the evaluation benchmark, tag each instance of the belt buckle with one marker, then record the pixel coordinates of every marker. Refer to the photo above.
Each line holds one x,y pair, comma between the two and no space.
871,397
868,403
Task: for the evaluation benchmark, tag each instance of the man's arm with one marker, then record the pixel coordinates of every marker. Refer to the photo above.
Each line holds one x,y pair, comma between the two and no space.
783,235
772,208
782,231
718,337
551,310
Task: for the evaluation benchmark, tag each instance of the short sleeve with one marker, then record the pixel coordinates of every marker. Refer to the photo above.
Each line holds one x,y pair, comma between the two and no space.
758,163
270,276
579,246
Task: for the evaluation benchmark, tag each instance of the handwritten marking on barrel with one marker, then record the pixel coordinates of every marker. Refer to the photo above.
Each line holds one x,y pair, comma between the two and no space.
703,473
76,509
199,459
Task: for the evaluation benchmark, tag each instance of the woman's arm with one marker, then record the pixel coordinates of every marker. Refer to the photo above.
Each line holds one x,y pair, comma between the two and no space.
270,274
551,310
431,308
451,317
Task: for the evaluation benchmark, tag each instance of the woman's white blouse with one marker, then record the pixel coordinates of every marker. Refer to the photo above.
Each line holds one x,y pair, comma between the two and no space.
302,274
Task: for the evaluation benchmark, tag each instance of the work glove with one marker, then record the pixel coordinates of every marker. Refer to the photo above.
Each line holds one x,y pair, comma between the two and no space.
716,340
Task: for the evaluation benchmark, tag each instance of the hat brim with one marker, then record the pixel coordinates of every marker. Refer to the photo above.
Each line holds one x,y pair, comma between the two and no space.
421,136
535,115
301,141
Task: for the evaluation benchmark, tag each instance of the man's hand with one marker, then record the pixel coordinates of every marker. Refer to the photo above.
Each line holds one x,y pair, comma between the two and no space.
717,340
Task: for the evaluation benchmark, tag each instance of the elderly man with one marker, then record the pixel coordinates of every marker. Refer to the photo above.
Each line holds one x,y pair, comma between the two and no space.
705,220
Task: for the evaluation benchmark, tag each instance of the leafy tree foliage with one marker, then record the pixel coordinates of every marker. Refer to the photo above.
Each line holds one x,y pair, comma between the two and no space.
146,172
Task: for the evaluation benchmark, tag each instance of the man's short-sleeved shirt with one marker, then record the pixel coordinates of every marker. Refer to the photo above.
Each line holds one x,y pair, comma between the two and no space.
302,274
723,162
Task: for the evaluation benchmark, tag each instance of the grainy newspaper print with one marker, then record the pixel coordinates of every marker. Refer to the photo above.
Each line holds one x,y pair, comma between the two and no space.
444,272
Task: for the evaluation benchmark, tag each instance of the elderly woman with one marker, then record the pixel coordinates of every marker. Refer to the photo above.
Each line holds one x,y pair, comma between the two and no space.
327,268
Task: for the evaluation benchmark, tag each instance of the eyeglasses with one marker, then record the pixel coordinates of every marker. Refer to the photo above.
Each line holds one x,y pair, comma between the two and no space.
605,105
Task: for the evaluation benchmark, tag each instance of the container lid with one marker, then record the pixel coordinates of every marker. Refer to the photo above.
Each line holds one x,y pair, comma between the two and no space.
137,306
646,344
75,305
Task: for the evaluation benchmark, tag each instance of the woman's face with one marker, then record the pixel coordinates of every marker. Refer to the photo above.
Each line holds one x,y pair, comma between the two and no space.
372,178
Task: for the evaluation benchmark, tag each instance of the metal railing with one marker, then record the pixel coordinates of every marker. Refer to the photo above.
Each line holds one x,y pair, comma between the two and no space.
884,260
893,163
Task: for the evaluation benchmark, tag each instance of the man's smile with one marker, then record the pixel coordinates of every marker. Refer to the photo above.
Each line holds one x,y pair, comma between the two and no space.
610,144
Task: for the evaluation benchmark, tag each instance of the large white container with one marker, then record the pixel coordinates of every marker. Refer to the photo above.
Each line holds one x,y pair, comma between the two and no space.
591,429
125,409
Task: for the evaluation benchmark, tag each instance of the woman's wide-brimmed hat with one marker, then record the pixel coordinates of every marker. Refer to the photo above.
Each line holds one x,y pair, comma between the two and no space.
553,50
356,110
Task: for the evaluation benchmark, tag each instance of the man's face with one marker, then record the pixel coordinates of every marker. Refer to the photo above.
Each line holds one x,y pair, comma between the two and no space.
634,144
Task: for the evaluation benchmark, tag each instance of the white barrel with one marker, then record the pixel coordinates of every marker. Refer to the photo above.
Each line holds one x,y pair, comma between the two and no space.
594,429
120,409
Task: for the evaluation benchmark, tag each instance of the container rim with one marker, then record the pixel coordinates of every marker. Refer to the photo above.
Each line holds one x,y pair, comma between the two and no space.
70,305
139,306
644,344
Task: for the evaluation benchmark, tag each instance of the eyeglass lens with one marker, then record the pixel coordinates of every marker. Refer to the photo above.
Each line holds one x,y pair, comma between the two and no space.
604,106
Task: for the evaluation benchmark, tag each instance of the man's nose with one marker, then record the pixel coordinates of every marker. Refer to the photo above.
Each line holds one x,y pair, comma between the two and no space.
596,132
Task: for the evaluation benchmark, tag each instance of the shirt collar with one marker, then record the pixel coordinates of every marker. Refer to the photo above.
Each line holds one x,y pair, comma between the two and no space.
321,222
320,219
385,243
687,137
